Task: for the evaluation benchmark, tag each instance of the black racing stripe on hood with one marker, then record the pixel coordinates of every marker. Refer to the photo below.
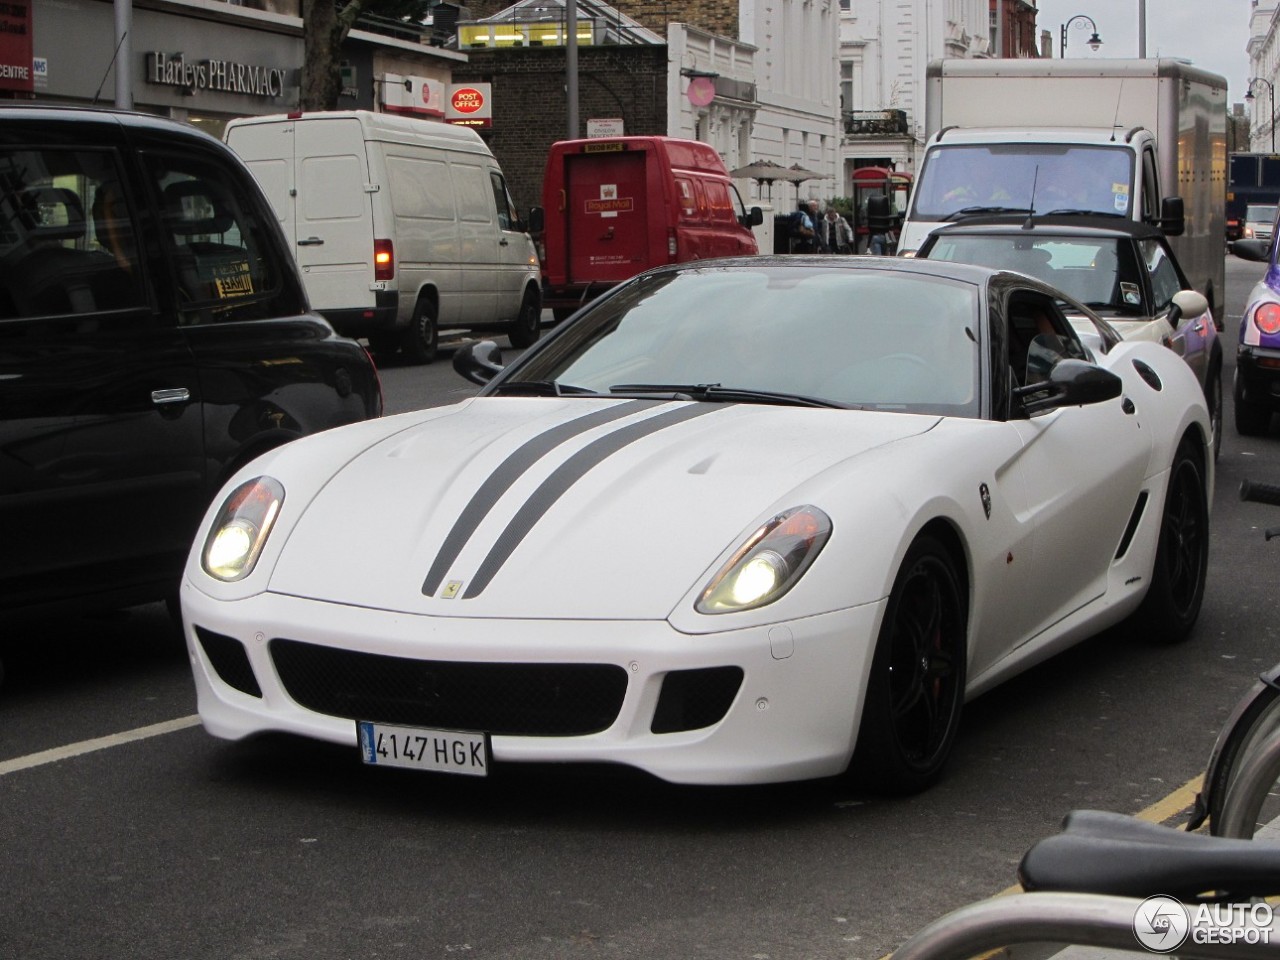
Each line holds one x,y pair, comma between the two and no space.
508,472
565,476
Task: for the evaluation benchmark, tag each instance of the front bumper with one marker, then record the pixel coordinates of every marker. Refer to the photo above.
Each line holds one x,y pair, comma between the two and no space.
791,713
1258,375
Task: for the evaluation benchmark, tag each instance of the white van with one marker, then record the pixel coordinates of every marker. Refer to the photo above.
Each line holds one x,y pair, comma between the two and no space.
401,227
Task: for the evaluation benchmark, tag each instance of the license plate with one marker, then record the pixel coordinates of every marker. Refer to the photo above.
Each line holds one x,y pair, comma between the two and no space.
447,751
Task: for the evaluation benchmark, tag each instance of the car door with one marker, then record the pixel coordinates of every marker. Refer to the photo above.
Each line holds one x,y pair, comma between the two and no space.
514,250
478,236
101,441
1191,336
1079,472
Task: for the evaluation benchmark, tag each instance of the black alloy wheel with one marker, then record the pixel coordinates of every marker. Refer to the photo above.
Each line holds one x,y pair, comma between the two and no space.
916,687
1172,603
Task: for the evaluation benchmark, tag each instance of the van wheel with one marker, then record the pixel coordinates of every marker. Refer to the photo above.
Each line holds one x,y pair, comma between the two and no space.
422,337
523,331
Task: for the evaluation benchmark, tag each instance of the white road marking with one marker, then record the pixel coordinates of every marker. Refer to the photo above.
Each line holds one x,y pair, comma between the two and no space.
100,743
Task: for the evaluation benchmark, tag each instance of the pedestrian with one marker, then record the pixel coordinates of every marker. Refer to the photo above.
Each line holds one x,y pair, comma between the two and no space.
815,218
803,231
837,235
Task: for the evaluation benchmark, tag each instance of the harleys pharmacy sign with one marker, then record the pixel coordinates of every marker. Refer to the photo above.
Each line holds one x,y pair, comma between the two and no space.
223,76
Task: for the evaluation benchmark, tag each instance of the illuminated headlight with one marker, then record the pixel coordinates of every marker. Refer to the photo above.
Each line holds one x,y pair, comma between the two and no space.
768,563
1248,233
241,529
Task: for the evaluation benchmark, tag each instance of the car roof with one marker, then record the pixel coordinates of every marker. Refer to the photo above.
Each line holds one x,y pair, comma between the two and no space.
73,114
1083,226
965,272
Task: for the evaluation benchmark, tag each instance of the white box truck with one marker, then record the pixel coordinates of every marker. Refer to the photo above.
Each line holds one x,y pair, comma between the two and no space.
1143,139
400,226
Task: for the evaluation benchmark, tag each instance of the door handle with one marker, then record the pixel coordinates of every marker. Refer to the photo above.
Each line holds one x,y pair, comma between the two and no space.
504,242
171,395
310,242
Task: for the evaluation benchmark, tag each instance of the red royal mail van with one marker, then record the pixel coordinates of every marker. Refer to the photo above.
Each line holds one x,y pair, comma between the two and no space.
613,207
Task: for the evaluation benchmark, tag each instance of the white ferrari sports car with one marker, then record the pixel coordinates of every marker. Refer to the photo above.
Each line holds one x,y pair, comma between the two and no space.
737,521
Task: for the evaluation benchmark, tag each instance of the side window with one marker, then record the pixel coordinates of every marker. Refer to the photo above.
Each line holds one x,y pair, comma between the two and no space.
68,240
719,201
687,198
507,218
1164,275
218,243
1039,336
1150,187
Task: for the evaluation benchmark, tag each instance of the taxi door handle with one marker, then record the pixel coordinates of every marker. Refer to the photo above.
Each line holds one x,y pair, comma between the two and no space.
172,395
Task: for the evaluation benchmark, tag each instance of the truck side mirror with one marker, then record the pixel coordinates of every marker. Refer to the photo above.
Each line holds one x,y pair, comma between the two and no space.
879,214
753,217
1172,219
537,220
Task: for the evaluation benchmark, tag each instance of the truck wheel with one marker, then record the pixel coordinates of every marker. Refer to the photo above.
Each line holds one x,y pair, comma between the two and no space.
524,329
422,337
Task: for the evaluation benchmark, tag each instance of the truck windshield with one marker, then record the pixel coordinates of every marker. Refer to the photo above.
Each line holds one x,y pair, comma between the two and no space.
1039,177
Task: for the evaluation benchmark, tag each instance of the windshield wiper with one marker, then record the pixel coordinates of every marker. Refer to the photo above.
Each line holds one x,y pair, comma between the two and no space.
543,388
715,393
1080,212
980,211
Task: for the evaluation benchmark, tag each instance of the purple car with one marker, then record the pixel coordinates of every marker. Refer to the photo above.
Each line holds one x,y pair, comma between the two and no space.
1257,383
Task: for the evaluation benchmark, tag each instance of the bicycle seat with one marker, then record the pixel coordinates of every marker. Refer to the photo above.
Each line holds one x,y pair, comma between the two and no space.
1110,853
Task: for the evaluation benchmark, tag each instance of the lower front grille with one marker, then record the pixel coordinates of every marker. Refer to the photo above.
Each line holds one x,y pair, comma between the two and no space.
520,699
693,699
229,660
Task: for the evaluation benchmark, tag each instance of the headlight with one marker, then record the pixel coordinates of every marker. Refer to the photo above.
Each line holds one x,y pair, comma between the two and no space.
769,563
241,529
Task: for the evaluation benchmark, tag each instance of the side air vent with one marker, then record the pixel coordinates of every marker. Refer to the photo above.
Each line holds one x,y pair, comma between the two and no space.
1131,528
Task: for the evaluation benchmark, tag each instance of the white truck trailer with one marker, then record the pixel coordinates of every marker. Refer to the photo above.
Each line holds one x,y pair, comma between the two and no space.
1143,139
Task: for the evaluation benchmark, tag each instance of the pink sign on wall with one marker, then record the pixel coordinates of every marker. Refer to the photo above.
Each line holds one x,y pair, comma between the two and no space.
15,45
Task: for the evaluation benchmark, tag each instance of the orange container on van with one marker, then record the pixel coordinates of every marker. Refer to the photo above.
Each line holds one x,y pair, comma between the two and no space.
616,206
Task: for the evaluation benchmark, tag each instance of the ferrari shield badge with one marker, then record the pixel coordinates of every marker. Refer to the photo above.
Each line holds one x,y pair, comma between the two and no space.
985,494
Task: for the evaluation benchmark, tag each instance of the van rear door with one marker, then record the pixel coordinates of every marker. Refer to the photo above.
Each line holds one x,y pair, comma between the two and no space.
333,230
608,216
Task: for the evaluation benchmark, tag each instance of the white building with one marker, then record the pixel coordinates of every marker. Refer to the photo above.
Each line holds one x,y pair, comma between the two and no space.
885,46
1264,65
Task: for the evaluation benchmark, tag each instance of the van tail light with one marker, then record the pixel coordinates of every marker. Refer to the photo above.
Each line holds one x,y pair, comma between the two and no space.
673,248
384,260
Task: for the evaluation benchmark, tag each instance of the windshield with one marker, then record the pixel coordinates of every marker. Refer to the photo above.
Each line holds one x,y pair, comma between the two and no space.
1025,176
1100,273
1260,214
879,339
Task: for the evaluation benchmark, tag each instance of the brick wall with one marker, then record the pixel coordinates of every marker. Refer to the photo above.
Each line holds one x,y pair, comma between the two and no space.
530,107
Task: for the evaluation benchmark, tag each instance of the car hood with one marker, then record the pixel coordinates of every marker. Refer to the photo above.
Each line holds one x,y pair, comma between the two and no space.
535,508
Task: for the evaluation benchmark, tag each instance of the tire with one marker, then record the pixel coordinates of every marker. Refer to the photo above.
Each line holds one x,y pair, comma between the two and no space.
524,329
422,337
1252,419
1230,813
1213,398
1173,599
916,687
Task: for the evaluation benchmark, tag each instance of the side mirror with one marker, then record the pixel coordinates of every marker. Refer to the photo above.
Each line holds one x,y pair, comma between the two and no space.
1071,383
537,220
1173,220
478,362
753,218
879,214
1188,303
1258,251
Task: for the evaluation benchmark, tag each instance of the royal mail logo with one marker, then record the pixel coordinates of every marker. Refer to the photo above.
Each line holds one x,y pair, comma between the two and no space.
611,205
467,100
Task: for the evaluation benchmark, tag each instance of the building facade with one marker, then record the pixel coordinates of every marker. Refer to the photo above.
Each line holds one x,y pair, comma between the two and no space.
1264,73
202,62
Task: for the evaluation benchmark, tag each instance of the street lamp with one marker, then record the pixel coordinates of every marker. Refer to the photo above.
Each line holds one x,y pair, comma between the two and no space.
1094,40
1271,101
